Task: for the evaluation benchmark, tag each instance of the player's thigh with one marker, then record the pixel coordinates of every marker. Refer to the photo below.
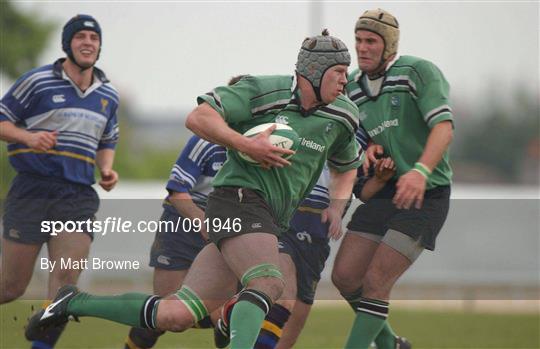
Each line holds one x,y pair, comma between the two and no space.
62,248
295,324
210,278
243,252
16,267
384,270
353,257
288,269
168,281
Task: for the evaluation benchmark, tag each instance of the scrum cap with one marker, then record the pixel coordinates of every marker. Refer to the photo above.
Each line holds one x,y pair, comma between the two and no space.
383,24
317,55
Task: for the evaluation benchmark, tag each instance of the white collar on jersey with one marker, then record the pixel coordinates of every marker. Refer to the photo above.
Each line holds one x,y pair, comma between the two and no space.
390,64
96,84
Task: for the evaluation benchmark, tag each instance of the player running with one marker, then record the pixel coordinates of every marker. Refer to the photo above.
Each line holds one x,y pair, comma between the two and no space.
59,121
403,103
263,198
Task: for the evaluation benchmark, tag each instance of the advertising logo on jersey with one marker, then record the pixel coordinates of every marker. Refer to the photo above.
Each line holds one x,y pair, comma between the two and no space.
308,143
383,126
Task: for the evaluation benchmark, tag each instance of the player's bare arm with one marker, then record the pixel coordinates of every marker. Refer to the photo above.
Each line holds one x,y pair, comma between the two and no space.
412,185
341,185
40,141
207,123
372,152
184,205
384,170
104,161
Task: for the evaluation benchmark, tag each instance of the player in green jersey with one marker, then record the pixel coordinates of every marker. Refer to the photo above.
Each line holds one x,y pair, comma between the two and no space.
404,109
251,205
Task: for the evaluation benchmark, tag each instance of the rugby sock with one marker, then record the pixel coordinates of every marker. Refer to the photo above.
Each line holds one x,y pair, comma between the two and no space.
272,327
142,338
386,338
48,338
132,309
369,321
205,322
247,317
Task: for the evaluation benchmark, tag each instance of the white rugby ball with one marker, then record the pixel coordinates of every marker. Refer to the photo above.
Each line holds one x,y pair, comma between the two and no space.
283,136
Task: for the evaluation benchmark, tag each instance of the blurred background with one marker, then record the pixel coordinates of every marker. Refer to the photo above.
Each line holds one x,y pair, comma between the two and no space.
162,55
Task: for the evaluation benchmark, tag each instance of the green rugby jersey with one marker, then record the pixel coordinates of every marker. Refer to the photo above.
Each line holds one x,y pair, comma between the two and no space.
413,98
327,133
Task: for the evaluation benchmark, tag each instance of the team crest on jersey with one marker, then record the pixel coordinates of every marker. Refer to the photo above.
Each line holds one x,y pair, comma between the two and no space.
282,119
329,127
104,104
362,116
395,102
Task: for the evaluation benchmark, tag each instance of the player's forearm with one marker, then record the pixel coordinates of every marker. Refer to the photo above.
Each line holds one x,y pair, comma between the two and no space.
437,143
184,205
208,124
370,188
105,159
13,134
341,185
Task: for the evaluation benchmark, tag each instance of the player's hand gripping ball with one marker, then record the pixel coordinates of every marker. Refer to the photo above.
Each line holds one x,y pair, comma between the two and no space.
283,136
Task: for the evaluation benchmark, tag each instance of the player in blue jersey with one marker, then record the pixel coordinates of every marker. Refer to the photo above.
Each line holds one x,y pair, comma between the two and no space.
59,122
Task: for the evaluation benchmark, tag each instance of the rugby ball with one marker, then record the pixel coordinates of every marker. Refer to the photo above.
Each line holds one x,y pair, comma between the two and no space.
283,136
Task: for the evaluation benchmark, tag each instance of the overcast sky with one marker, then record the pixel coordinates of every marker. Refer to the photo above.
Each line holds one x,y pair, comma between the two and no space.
161,55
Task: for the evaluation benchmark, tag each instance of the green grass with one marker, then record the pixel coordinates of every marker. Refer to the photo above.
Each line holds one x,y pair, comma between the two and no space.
327,327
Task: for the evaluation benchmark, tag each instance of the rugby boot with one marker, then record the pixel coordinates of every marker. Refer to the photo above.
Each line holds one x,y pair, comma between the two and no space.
222,335
52,316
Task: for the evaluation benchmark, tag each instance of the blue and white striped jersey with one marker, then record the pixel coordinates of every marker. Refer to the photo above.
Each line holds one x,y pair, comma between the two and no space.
195,168
307,217
45,99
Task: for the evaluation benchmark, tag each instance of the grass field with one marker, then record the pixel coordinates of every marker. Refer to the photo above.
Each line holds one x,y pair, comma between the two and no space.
327,327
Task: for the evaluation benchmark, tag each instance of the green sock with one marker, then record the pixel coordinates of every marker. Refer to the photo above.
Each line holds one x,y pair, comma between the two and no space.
369,321
386,338
126,308
246,321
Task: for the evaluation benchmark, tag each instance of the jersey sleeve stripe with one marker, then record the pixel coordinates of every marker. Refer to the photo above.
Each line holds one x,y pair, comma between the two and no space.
197,150
340,163
20,90
435,111
47,85
274,105
204,157
178,173
5,111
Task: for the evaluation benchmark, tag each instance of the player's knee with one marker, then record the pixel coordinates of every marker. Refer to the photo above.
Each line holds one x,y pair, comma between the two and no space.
10,291
271,286
266,278
344,281
66,276
173,316
375,286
